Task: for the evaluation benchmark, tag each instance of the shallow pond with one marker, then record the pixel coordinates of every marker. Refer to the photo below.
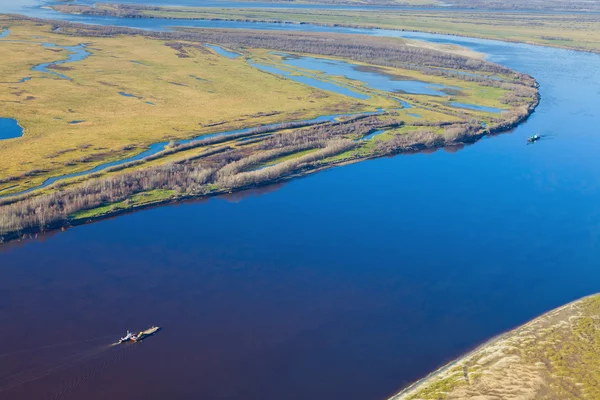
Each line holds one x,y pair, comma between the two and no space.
10,129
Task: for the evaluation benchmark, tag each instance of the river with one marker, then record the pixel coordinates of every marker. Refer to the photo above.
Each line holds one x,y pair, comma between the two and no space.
347,284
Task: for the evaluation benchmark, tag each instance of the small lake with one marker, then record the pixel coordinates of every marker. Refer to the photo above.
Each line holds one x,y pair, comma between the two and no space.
10,129
4,33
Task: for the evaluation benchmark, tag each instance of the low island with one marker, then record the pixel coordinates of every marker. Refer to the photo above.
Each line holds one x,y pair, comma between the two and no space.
112,119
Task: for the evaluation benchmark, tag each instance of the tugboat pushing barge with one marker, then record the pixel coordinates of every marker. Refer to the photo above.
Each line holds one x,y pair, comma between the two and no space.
130,337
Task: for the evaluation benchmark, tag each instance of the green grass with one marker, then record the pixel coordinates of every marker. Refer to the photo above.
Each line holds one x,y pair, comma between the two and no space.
116,126
136,200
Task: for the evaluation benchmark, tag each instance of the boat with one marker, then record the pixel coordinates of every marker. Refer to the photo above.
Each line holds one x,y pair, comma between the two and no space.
130,337
144,334
126,338
533,138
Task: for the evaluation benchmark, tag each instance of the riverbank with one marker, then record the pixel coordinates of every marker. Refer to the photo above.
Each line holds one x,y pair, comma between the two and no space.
386,96
554,29
553,356
412,143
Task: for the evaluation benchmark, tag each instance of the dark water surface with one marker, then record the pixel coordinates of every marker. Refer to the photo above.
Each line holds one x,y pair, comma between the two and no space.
347,284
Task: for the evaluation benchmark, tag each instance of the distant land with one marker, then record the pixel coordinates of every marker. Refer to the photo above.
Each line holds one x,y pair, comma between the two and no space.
577,31
563,5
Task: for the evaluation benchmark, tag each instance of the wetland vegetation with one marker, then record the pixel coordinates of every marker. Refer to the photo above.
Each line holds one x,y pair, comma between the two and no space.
135,89
580,31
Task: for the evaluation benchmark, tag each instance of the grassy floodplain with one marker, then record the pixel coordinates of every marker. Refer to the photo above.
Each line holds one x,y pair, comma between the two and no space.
572,31
195,91
555,356
188,95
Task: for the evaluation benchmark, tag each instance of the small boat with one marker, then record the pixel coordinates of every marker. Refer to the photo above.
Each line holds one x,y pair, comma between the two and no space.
126,338
144,334
533,138
130,337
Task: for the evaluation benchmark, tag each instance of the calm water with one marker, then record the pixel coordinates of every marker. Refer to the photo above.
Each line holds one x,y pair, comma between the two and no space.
314,82
224,52
10,129
76,53
374,79
347,284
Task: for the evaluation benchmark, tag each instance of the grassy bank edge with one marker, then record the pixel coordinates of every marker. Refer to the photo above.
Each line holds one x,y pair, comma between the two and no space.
84,215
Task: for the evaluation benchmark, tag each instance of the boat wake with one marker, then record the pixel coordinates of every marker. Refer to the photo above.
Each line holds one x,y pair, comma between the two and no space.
96,358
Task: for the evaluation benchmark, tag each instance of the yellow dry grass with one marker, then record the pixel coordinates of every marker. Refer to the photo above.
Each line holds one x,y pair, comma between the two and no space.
553,357
189,94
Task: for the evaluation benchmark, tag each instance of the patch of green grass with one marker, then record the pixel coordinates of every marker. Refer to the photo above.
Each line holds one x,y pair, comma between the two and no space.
136,200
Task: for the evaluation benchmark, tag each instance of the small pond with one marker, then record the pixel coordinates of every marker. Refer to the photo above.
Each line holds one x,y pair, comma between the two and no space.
10,129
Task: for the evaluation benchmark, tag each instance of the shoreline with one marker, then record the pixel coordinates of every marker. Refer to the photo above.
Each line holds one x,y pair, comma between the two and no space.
32,233
321,24
495,339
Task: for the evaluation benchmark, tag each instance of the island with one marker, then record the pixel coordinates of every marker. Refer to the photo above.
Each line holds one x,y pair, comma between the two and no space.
112,119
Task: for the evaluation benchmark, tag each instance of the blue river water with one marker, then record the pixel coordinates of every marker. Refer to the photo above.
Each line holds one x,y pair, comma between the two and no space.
347,284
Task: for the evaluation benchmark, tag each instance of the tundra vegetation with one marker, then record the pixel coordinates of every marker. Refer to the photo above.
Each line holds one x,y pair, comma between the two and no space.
195,92
580,31
555,356
538,5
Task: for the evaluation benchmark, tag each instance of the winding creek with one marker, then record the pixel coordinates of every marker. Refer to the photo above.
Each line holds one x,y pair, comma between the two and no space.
347,284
